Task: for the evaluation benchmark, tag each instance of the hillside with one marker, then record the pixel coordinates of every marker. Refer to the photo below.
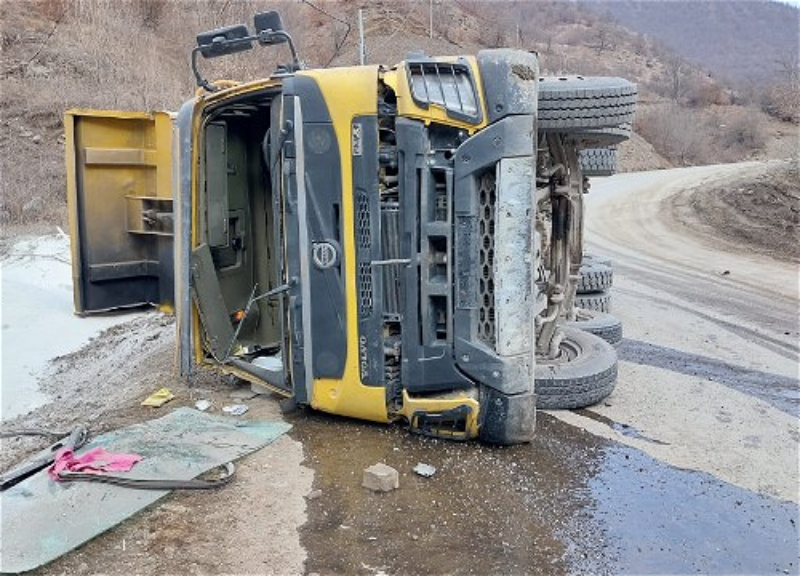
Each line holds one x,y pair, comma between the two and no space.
743,41
59,54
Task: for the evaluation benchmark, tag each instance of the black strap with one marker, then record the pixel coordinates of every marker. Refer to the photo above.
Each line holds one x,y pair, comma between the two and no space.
141,484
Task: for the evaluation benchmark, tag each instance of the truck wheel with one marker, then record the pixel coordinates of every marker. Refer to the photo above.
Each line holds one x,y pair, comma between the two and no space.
595,259
599,301
608,327
600,107
595,278
598,161
584,373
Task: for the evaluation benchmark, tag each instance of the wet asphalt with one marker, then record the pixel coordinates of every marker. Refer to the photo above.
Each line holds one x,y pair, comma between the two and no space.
568,503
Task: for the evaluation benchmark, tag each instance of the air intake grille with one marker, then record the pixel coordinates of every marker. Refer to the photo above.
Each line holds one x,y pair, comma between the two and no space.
446,84
487,196
365,297
363,224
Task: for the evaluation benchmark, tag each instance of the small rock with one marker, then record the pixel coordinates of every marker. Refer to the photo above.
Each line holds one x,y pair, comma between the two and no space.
380,478
725,273
202,405
36,139
235,409
425,470
314,494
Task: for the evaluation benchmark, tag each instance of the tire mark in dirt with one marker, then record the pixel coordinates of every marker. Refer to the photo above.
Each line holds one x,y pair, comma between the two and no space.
788,350
781,392
773,312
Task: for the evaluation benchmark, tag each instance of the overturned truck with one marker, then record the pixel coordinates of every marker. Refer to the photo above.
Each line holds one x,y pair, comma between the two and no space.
396,243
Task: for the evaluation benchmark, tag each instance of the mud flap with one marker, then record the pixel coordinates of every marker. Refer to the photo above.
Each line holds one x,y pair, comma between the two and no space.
507,419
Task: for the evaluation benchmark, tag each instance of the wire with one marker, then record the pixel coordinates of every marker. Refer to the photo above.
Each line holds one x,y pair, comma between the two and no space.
339,44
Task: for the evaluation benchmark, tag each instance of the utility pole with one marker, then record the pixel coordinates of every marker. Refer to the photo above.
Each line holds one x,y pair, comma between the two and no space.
362,49
430,14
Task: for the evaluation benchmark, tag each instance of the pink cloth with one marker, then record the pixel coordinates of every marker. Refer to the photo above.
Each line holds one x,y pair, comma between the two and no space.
95,461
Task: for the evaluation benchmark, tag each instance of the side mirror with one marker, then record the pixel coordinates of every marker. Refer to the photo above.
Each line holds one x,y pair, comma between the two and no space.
223,41
269,28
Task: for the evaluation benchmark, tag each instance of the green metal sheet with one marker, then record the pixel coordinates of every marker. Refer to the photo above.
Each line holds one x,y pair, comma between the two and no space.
210,302
41,520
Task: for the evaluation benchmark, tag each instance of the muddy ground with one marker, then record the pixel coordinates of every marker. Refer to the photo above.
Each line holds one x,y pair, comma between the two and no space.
689,466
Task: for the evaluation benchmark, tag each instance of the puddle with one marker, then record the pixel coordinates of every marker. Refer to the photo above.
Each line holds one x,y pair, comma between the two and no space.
624,429
663,519
486,510
568,503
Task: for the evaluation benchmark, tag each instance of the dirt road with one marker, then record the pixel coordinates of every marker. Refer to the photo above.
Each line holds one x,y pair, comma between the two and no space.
709,364
690,465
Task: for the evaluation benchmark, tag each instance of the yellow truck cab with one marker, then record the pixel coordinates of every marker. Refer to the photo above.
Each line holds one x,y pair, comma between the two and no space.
357,239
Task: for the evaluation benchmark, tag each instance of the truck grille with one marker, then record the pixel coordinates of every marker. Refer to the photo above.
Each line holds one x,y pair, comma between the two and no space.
363,223
365,296
487,197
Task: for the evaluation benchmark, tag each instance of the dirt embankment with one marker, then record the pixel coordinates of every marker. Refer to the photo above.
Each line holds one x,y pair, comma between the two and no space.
759,212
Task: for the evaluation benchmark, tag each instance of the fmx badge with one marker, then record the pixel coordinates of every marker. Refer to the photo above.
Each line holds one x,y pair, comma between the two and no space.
357,146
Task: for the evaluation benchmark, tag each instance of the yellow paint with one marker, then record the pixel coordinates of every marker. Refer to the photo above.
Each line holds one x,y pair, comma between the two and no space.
111,156
349,92
72,208
397,78
437,405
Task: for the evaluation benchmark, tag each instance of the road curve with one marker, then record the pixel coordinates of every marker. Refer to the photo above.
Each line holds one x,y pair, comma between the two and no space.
708,372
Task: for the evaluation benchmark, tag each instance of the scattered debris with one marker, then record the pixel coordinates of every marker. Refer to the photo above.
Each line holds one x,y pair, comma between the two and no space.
243,394
425,470
381,478
158,398
95,461
235,409
202,405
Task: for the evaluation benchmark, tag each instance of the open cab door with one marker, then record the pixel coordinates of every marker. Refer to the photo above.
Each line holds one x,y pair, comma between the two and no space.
119,195
232,278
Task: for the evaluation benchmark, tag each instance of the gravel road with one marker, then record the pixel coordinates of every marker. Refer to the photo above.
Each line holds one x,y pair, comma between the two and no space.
709,364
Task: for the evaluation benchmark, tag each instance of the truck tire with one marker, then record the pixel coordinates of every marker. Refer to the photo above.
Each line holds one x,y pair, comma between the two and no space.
595,259
584,374
599,301
595,278
598,161
600,107
601,324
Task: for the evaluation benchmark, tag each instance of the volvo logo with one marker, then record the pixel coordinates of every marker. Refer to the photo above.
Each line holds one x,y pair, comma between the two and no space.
363,356
325,255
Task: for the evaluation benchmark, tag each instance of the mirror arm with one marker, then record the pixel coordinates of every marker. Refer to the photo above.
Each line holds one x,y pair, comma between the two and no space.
201,82
263,37
267,36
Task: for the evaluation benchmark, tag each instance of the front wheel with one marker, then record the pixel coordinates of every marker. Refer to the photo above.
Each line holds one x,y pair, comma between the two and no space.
584,373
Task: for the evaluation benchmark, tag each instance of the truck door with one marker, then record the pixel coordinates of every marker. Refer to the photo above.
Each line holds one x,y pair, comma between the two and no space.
313,239
119,195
